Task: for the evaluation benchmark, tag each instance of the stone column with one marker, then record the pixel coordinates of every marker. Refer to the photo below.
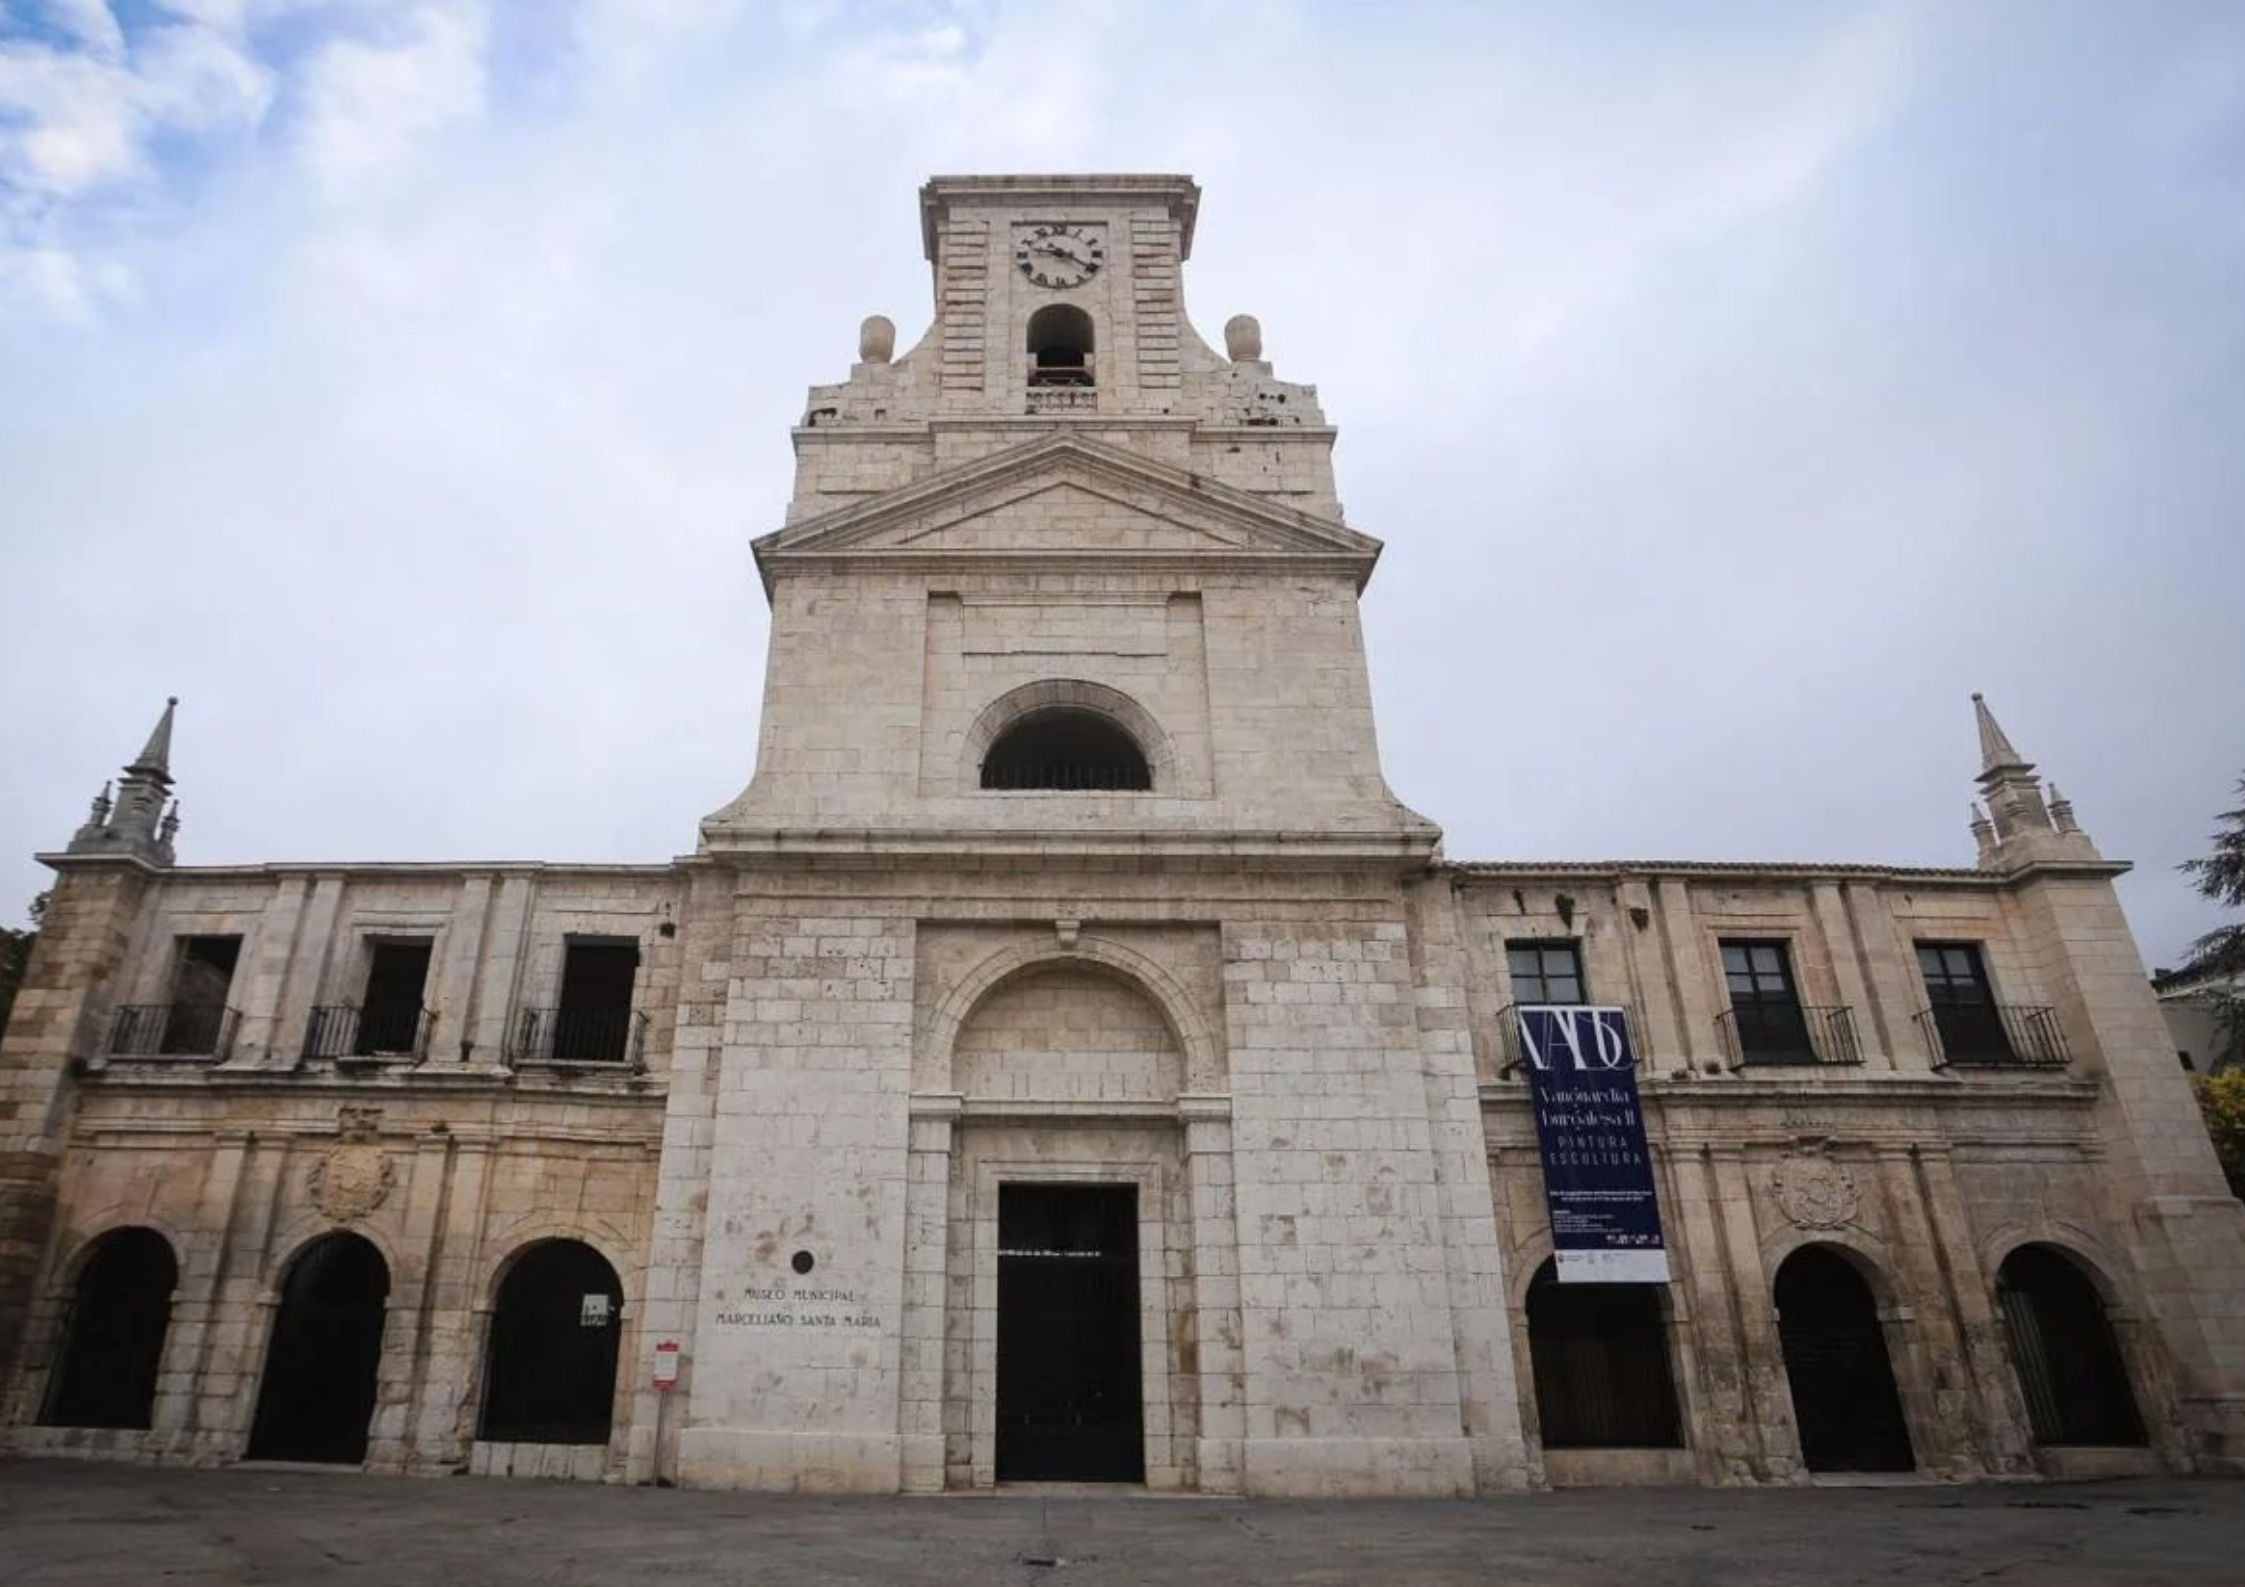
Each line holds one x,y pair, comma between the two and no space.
202,1272
261,1037
926,1236
1874,1041
1215,1237
1727,1425
1936,1384
1697,1043
405,1321
2005,1439
506,930
453,1038
1769,1394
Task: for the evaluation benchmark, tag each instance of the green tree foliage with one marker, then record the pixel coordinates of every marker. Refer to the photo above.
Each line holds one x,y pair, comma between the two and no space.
2221,877
2222,1099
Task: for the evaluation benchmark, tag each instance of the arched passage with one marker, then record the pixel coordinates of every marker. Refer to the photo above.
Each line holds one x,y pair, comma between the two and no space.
1600,1353
113,1336
1844,1398
550,1368
2062,1344
317,1395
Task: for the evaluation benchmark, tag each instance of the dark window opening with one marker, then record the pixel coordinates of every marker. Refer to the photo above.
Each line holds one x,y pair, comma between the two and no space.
318,1391
1060,346
396,979
1544,972
1066,749
1965,1015
204,976
1602,1372
551,1373
2069,1363
1765,1008
1844,1398
593,1023
113,1335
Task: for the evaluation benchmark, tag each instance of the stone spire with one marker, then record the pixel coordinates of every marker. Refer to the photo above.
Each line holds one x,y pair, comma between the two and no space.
2019,827
1996,751
137,823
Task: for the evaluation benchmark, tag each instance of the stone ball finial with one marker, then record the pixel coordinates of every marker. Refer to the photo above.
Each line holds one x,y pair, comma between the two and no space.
876,339
1243,338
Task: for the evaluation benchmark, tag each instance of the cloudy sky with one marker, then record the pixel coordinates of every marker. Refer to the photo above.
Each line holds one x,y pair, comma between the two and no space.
1736,388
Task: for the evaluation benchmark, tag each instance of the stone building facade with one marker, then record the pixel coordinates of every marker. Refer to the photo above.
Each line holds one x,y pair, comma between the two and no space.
1067,1058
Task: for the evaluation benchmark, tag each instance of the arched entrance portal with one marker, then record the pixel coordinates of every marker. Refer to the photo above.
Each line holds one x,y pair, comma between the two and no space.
2062,1343
1844,1398
550,1375
1600,1353
113,1337
318,1392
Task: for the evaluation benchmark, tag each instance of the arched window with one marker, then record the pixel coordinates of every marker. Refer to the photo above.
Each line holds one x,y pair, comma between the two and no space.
113,1338
1060,338
551,1372
1063,748
1600,1353
321,1367
2063,1346
1845,1403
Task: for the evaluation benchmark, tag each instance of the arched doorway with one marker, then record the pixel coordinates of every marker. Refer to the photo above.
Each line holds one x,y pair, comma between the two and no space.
1600,1353
1844,1398
113,1336
2062,1344
550,1371
318,1391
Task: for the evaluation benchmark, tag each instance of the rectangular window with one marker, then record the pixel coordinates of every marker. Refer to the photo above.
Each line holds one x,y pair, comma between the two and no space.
201,981
397,977
1963,1004
1765,1007
593,1022
1544,972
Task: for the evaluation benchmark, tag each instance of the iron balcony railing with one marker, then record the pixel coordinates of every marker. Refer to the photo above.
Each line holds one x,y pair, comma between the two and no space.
1777,1033
388,1030
1993,1036
1081,777
1515,1055
173,1030
581,1036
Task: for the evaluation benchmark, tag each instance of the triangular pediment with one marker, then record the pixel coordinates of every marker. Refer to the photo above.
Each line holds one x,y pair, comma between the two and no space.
1063,496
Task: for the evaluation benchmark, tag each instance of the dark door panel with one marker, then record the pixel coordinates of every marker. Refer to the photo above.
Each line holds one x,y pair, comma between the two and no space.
1070,1404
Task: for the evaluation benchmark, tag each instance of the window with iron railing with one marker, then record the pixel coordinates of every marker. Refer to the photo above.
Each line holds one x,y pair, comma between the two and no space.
1767,1023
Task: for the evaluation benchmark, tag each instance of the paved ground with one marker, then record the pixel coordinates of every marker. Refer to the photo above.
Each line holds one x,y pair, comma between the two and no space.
64,1522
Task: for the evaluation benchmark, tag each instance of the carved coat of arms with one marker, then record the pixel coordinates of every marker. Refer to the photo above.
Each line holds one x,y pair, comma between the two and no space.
1815,1192
355,1177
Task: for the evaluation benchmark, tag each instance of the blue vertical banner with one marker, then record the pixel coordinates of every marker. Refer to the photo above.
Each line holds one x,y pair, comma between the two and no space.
1597,1172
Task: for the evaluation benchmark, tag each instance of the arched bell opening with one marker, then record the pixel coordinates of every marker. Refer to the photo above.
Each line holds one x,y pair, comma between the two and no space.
550,1362
1060,346
113,1335
1845,1402
317,1395
1602,1370
1067,749
2063,1347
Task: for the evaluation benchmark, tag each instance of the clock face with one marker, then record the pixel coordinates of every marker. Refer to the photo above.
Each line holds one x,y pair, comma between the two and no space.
1058,255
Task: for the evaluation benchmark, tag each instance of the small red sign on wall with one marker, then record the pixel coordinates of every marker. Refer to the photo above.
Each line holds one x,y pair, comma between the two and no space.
666,1364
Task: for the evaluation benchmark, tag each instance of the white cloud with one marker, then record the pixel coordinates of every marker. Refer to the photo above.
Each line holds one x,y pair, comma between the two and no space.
368,102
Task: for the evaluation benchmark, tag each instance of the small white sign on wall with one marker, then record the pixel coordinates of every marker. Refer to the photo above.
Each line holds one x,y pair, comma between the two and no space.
594,1311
